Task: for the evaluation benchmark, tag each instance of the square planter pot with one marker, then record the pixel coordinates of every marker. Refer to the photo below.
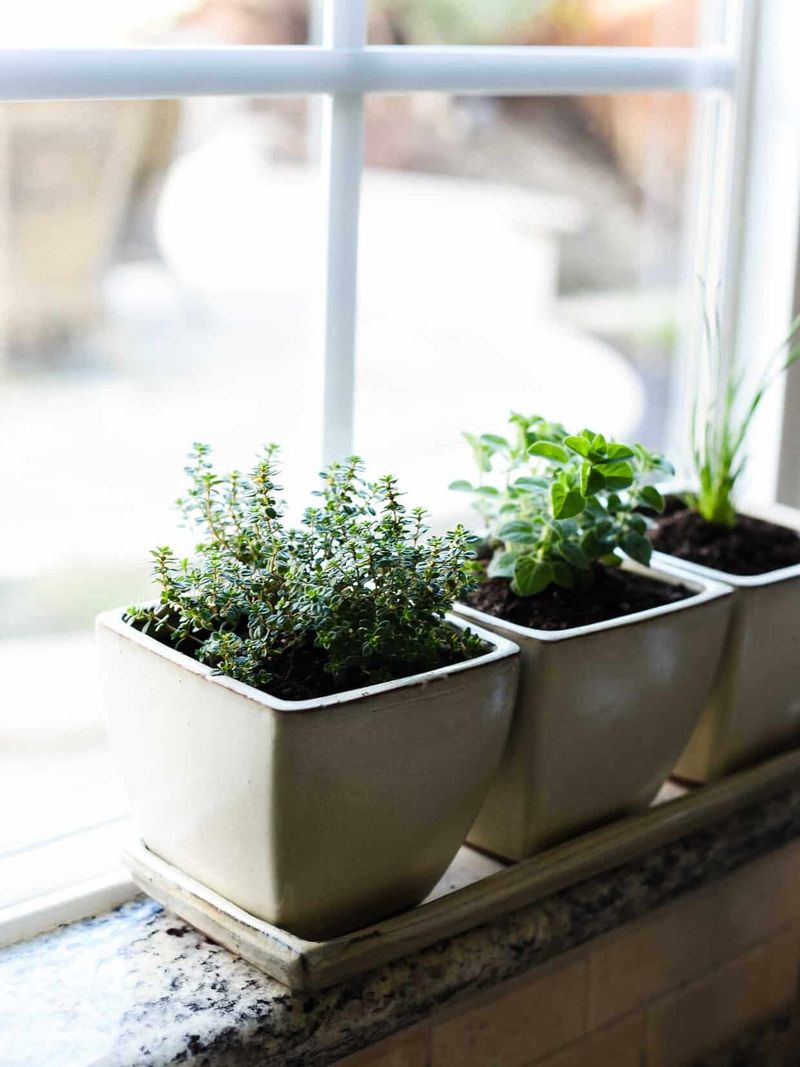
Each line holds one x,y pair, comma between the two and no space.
318,816
754,707
603,712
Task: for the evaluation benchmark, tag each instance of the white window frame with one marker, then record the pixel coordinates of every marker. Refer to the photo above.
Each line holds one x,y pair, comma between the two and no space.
738,215
745,234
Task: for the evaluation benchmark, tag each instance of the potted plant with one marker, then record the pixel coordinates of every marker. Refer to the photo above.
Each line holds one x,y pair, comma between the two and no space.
300,725
617,657
754,707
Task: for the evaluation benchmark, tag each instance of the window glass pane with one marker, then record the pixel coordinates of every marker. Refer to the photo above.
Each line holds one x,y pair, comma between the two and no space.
631,23
40,23
516,254
159,273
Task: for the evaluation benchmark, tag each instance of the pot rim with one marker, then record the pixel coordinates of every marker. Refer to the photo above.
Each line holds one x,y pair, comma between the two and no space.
501,648
707,588
781,515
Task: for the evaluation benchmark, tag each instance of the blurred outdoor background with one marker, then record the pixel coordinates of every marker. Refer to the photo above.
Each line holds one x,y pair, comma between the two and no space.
161,267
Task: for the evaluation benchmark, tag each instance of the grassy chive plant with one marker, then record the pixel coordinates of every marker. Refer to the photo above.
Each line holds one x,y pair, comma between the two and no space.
719,436
566,502
356,595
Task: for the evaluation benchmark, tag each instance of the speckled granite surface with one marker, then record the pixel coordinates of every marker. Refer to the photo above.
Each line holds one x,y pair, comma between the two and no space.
136,987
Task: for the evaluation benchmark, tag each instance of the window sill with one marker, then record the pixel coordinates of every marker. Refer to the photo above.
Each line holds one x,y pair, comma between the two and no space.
90,897
62,880
136,986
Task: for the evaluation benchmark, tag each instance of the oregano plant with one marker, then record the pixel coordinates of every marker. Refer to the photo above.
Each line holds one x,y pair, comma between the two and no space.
566,503
357,594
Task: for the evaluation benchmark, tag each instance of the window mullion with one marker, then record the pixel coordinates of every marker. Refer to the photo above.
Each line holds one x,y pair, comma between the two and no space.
761,226
344,30
252,70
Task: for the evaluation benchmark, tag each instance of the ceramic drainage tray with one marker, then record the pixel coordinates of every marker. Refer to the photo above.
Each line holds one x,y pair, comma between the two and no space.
475,889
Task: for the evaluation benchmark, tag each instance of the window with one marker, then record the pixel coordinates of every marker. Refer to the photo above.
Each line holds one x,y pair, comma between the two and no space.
535,185
552,271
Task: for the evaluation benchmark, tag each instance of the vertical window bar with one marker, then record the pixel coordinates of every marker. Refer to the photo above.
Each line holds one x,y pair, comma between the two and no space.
344,29
746,221
765,230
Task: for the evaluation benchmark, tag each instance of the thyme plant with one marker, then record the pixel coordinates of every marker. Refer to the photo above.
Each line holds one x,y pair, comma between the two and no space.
567,503
356,595
719,437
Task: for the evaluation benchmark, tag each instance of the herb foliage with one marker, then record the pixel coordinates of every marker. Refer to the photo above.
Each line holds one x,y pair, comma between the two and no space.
719,434
567,502
356,595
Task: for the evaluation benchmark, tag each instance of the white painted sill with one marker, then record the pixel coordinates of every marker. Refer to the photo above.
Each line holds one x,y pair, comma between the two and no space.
63,879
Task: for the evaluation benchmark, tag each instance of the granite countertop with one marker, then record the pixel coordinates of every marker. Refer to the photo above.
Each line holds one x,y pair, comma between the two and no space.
138,987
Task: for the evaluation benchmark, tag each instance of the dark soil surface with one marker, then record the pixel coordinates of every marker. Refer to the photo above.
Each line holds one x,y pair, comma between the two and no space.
751,547
302,675
612,594
305,677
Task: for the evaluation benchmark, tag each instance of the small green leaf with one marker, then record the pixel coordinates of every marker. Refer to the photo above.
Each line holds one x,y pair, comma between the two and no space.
493,441
482,457
574,555
616,451
563,575
577,444
596,510
462,486
637,547
650,495
530,484
661,463
618,475
487,490
568,527
531,576
502,565
549,450
564,502
610,559
516,531
592,481
591,546
573,505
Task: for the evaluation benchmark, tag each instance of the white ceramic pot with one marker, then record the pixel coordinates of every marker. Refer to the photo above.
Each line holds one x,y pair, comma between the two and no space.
754,707
319,816
603,712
